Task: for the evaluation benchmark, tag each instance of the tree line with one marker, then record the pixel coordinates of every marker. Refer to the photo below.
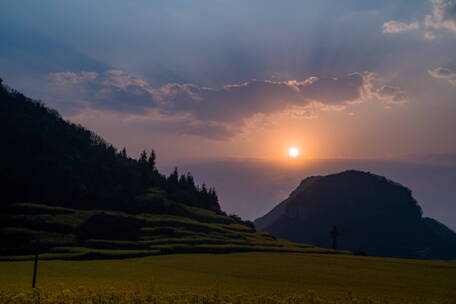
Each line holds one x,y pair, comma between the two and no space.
49,160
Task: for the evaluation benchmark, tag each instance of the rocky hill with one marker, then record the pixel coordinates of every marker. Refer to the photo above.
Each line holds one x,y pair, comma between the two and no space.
373,216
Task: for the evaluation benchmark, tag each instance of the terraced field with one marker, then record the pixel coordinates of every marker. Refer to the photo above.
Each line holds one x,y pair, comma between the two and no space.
63,233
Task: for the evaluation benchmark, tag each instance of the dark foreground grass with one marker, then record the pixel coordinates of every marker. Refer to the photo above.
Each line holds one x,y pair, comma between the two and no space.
261,278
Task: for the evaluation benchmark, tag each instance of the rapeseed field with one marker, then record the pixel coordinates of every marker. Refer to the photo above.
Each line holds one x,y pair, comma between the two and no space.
240,278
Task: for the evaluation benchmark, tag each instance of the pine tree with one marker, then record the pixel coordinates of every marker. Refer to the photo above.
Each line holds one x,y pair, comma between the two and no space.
151,160
183,180
173,178
143,158
204,190
190,182
123,153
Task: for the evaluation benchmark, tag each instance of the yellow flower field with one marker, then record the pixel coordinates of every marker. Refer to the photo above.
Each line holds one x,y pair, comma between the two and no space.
251,278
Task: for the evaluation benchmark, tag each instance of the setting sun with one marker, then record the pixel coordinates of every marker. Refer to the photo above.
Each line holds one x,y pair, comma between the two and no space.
293,152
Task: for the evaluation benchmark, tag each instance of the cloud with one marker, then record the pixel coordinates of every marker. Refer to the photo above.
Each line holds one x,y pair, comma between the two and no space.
444,73
239,101
375,88
443,16
111,90
392,26
218,112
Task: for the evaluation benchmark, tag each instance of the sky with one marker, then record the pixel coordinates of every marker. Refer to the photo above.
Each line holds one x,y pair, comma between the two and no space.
215,80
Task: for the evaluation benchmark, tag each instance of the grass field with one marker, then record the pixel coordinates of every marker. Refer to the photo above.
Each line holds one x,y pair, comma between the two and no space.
263,278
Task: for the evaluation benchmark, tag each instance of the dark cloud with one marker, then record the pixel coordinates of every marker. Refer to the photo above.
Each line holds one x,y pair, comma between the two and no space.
240,101
110,90
394,94
218,112
117,91
444,73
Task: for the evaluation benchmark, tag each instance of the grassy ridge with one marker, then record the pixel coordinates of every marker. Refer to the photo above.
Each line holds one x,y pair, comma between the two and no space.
261,278
64,233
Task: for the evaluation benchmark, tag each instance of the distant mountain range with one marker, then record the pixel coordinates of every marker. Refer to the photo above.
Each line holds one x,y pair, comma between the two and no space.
373,216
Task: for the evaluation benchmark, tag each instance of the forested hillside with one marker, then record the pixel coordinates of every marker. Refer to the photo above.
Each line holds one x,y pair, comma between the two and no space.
47,159
67,193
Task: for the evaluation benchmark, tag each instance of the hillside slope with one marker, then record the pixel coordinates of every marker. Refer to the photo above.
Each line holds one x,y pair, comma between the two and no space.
373,215
47,159
66,193
64,233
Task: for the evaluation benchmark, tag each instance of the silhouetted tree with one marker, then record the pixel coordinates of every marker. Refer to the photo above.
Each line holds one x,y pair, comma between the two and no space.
173,178
151,160
143,158
190,181
123,153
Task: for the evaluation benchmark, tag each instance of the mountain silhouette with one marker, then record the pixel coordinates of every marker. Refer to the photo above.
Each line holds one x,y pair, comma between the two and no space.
373,216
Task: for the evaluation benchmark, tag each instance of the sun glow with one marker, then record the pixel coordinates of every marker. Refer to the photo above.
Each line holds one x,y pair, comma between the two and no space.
293,152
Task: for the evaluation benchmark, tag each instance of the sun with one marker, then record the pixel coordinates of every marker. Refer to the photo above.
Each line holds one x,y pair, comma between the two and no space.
293,152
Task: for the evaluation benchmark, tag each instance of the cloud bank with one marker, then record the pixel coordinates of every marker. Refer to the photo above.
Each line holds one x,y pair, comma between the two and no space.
215,113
